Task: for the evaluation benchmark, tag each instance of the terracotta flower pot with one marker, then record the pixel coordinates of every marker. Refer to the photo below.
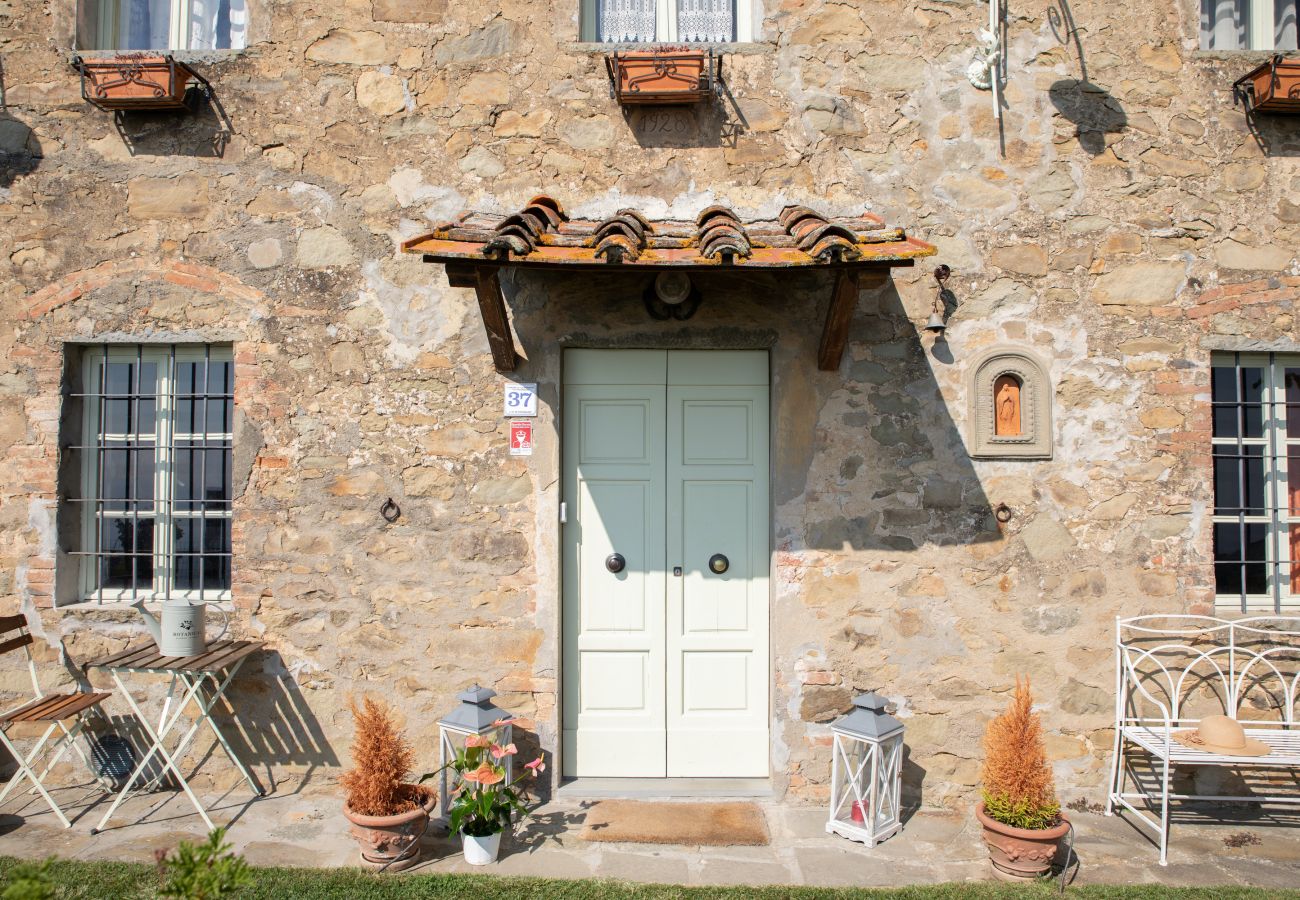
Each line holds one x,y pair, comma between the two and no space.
661,77
1273,87
135,81
1021,853
393,842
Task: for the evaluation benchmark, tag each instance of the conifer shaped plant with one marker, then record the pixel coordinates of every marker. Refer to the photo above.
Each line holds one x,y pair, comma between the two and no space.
1020,812
389,815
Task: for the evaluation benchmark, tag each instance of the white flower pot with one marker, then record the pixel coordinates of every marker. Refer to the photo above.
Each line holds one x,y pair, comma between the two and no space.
481,851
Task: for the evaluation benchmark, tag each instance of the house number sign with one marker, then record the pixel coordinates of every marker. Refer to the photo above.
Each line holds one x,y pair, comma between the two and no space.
520,400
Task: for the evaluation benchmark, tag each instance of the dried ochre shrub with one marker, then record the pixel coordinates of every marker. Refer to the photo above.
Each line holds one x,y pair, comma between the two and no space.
1018,786
381,759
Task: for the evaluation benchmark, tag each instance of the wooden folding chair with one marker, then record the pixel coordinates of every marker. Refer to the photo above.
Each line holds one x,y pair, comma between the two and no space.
52,708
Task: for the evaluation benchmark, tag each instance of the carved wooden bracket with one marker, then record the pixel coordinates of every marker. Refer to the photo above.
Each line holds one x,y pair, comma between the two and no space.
492,307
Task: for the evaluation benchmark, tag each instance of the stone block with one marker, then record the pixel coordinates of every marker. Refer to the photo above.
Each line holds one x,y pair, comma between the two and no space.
1140,284
184,197
381,93
430,12
353,48
323,248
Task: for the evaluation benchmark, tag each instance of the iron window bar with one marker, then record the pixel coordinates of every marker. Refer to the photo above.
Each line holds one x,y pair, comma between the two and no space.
1256,458
115,432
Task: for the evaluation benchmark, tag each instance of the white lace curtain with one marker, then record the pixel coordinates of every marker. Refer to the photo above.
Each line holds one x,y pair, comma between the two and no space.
706,20
697,21
627,20
1230,24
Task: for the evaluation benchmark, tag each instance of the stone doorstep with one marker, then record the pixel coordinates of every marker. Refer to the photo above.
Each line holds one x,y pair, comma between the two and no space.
305,830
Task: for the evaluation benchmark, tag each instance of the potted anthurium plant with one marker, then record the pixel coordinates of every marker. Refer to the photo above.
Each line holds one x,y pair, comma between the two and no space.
1022,819
485,803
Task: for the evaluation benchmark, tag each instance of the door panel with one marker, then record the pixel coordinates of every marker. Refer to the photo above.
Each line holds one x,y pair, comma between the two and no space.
717,654
614,622
666,463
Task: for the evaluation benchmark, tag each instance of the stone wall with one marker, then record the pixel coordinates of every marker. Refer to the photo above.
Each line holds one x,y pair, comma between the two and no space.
1119,221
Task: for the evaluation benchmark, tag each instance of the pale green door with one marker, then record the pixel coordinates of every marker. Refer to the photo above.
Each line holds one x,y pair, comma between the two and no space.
665,468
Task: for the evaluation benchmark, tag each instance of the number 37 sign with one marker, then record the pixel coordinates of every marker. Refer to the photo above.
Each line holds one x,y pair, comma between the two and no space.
521,399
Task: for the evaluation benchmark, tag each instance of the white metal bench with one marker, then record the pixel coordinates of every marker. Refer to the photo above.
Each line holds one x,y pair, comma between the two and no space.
1172,670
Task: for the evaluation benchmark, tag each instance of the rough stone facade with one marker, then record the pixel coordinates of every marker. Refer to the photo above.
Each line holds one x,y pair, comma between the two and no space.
1119,222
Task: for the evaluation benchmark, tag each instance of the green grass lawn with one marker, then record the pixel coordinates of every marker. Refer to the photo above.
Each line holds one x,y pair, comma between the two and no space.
121,881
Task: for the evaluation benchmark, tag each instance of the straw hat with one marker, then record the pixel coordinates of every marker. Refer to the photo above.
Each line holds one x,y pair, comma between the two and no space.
1221,734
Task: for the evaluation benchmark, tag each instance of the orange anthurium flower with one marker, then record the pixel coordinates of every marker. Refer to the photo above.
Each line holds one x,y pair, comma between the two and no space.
476,740
507,750
486,774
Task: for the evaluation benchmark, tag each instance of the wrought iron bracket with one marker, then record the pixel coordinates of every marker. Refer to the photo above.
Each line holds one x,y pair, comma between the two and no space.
693,76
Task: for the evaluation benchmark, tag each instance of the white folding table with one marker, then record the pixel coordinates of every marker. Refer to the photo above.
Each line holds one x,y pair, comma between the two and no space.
189,675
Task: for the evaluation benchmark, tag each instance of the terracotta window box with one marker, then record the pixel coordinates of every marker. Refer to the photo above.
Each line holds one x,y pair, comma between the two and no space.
1272,88
137,82
663,77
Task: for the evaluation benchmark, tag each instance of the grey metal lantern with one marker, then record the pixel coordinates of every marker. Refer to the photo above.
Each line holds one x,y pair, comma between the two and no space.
866,772
474,715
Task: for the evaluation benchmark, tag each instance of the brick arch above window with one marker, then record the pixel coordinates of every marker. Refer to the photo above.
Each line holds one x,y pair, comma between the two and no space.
71,288
1009,394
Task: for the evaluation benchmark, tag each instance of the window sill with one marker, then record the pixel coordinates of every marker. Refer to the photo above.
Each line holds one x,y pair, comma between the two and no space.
113,608
1243,56
596,48
185,56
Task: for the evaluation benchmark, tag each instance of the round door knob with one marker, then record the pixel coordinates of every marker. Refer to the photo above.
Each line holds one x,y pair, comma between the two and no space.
615,562
718,564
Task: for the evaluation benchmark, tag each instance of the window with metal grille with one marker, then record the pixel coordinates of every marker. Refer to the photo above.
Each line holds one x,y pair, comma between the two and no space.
152,452
677,21
1256,437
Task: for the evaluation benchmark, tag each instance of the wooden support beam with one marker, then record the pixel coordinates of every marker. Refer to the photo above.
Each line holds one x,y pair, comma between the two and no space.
492,306
835,333
460,274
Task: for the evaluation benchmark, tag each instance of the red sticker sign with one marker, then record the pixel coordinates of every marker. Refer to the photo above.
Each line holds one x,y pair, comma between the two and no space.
521,438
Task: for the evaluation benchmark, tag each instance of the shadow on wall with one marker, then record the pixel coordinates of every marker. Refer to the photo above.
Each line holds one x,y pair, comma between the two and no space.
1275,136
1094,112
907,481
20,151
872,448
202,131
268,725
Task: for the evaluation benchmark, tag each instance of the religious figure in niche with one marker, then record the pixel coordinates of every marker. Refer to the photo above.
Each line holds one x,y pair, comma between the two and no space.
1006,406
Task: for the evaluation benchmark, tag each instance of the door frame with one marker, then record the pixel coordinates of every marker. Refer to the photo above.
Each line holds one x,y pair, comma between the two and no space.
558,534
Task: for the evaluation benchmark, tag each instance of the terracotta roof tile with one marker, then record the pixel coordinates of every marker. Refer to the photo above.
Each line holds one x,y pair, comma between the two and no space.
541,234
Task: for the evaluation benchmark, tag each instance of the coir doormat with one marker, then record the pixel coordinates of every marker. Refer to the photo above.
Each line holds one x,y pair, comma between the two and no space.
691,824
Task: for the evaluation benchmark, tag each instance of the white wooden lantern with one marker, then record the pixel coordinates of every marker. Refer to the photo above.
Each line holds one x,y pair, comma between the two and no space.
866,772
474,715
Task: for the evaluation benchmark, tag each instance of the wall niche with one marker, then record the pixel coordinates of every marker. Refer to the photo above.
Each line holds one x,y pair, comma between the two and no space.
1010,396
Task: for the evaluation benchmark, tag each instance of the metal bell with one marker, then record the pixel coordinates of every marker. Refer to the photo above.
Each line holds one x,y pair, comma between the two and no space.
936,323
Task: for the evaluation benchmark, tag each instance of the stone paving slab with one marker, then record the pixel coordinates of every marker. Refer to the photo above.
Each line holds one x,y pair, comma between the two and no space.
308,829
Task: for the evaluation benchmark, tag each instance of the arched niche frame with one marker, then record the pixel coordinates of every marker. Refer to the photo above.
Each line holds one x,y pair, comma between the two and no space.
1010,397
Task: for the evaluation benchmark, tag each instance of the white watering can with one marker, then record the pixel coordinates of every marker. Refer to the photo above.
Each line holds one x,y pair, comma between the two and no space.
182,629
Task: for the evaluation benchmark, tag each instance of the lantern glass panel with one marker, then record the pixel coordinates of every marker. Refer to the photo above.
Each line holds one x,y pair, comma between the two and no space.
451,743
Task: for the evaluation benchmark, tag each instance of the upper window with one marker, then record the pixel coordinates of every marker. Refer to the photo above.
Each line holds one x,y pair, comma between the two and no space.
1248,24
1256,428
162,24
150,443
676,21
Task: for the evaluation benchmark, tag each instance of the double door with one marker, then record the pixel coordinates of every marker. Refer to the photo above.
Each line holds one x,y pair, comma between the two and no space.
666,560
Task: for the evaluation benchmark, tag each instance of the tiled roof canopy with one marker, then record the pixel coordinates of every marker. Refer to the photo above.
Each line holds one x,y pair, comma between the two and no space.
477,245
541,234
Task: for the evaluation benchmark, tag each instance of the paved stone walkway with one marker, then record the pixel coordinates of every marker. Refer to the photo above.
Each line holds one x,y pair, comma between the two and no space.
307,829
